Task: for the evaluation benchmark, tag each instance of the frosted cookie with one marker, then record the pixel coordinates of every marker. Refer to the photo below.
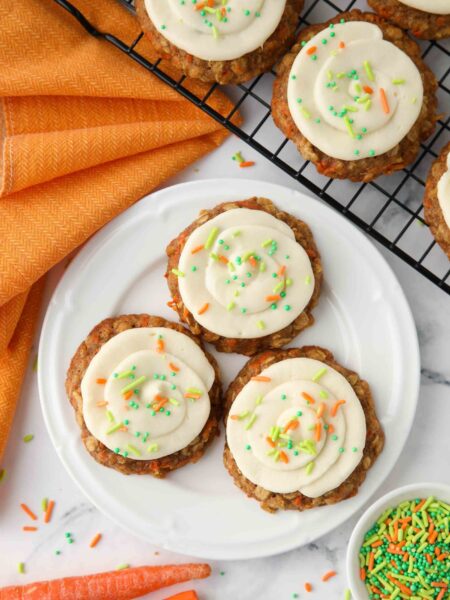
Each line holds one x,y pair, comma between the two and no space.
355,97
147,397
245,276
228,41
301,430
437,199
426,19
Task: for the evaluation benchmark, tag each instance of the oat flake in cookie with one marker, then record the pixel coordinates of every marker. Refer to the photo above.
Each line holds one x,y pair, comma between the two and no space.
351,95
146,394
301,429
228,41
245,276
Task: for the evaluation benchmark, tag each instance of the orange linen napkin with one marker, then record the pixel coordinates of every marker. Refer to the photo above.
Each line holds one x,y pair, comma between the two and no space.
85,132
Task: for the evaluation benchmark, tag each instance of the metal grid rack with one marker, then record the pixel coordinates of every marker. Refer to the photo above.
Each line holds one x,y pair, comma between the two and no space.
389,208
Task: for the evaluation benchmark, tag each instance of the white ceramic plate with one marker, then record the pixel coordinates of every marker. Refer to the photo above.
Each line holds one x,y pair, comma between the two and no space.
362,317
373,513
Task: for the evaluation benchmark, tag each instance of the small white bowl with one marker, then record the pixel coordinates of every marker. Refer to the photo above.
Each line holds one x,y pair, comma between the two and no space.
392,499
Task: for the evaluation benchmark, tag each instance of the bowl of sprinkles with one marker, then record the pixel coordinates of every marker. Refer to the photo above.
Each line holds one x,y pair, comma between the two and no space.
400,547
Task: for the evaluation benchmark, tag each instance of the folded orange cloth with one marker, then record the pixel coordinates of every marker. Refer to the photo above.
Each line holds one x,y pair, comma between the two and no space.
84,133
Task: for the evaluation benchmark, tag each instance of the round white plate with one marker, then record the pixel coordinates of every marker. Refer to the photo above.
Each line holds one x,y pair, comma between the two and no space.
362,317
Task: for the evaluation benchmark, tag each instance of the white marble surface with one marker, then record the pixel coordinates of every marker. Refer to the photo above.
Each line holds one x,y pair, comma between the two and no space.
34,471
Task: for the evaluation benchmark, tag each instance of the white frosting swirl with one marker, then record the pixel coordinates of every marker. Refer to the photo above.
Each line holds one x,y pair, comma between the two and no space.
436,7
242,274
145,393
298,426
216,29
443,192
351,93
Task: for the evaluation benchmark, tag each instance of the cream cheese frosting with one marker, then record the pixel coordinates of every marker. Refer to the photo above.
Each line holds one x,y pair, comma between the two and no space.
145,393
243,275
436,7
443,192
298,426
351,93
216,29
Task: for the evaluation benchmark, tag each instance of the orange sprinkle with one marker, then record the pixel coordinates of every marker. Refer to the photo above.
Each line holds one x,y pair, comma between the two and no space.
234,417
441,594
174,367
330,429
384,101
223,11
335,407
308,587
281,270
437,550
405,557
123,428
431,527
160,345
273,298
160,401
376,544
192,395
439,584
402,587
223,259
362,574
270,442
204,308
376,590
95,540
419,506
442,556
252,261
432,537
321,410
429,559
102,403
246,163
101,380
28,528
127,395
393,563
29,512
367,89
318,432
371,561
341,45
311,50
284,457
293,424
308,398
197,249
261,378
328,575
395,537
49,511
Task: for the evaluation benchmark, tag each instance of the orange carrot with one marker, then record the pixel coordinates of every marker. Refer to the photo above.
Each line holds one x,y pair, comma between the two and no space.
335,407
204,308
174,367
384,101
120,585
261,378
49,511
95,540
28,528
197,249
189,595
328,575
29,512
308,587
273,298
308,398
101,380
246,163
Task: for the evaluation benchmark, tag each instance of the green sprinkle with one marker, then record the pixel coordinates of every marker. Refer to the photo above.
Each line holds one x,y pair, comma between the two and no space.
231,305
287,307
193,268
320,373
266,243
124,374
371,152
152,448
231,266
114,428
351,108
368,70
215,32
261,325
251,421
193,390
310,467
334,437
211,237
133,450
236,233
57,552
308,279
27,438
178,273
122,567
347,594
110,416
278,288
323,394
214,256
349,126
133,384
258,400
398,81
305,112
174,402
262,266
21,568
44,504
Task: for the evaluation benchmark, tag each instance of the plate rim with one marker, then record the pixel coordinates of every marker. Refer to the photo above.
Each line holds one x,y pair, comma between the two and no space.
232,185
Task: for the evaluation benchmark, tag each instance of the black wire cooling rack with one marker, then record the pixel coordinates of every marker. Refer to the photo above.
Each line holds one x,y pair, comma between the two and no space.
389,208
